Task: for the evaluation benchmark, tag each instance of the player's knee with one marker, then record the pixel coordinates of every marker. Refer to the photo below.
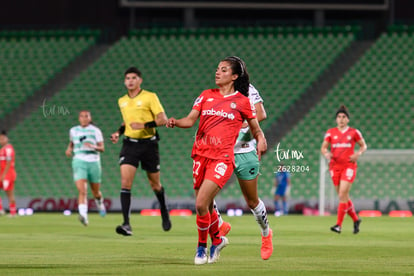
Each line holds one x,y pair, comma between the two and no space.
126,183
201,209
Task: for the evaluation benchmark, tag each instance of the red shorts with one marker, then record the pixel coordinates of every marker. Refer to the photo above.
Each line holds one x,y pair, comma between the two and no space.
218,171
345,172
7,184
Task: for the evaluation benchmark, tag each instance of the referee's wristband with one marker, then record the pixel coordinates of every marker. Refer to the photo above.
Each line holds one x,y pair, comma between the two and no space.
121,130
150,124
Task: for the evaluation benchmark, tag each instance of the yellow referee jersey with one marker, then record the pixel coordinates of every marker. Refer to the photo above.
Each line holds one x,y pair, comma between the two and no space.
142,108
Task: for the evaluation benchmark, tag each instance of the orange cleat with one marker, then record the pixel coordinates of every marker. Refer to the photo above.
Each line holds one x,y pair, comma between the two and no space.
224,229
267,246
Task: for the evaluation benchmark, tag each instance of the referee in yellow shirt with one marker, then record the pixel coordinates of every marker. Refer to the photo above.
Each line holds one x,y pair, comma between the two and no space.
142,112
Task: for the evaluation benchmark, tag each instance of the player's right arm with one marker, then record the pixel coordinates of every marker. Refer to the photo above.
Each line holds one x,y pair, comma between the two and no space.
325,146
69,149
185,122
325,151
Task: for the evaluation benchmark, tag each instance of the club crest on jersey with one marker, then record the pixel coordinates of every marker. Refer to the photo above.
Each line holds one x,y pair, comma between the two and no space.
233,105
221,168
139,103
349,137
198,100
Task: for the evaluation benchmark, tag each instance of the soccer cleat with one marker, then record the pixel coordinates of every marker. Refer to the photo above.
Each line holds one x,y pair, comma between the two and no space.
215,250
356,226
124,229
201,256
2,212
224,229
267,246
83,220
166,222
102,210
336,228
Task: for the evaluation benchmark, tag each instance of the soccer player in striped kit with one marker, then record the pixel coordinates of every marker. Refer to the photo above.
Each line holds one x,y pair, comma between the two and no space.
86,143
222,112
343,164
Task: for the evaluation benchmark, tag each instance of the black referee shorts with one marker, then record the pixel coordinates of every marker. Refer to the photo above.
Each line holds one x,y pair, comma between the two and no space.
145,151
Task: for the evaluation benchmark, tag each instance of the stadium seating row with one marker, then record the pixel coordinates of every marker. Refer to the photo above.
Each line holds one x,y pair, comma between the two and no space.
179,66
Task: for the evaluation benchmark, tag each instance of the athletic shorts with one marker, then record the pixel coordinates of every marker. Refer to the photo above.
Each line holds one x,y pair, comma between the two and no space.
281,190
247,165
91,171
345,172
7,184
145,151
218,171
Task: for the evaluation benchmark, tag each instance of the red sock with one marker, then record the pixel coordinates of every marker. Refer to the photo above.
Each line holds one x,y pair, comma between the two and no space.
1,204
12,207
203,223
342,207
214,229
351,211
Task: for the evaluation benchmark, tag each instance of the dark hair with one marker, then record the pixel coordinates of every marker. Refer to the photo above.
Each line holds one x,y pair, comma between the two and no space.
238,67
3,132
342,109
133,70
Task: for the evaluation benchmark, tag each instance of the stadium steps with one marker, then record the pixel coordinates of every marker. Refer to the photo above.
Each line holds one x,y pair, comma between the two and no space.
295,113
316,91
59,81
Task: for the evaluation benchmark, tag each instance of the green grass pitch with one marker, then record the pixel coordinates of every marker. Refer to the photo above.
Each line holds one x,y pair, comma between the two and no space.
53,244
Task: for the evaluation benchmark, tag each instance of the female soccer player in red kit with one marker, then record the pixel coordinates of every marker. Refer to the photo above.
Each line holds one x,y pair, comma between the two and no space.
342,165
222,112
7,172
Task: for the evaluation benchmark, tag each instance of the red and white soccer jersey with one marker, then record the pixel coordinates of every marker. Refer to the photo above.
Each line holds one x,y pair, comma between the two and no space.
342,147
7,154
221,118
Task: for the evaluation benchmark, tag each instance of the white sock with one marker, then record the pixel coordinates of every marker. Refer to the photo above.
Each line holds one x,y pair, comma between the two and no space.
218,213
83,210
261,217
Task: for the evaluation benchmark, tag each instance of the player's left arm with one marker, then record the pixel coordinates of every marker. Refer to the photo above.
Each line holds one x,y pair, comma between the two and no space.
99,142
98,147
258,135
160,120
362,148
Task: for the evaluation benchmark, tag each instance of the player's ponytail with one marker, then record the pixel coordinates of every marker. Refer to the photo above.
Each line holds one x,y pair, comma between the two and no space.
342,109
238,67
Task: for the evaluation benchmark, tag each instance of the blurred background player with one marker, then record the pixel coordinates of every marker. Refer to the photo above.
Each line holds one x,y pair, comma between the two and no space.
222,112
142,112
281,187
247,172
7,172
343,164
86,143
